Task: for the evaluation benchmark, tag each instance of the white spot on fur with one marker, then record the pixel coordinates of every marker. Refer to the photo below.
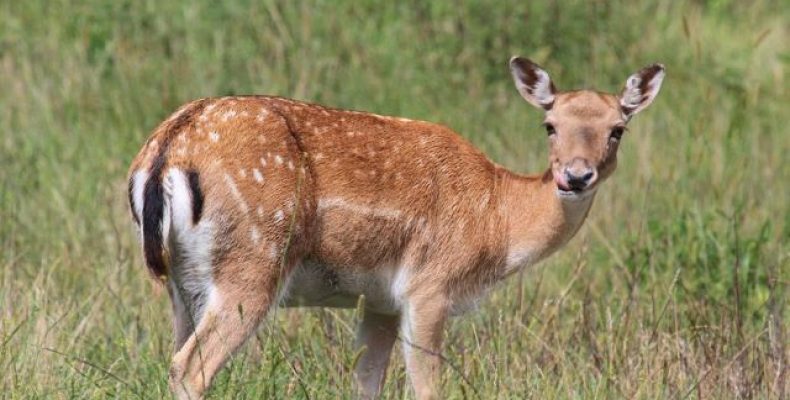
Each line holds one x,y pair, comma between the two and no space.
262,115
255,235
234,190
228,115
257,175
484,201
291,165
263,161
278,159
336,202
259,211
279,216
214,136
274,253
242,173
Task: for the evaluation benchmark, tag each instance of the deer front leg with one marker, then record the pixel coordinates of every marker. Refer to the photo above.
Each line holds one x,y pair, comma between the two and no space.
377,333
422,330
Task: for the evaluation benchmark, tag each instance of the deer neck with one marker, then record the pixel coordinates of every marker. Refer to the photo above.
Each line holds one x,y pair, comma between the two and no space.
538,221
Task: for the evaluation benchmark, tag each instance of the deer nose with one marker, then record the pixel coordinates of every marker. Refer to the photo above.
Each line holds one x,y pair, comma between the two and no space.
579,177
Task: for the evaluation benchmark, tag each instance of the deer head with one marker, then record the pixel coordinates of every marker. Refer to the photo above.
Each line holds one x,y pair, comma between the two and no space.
584,127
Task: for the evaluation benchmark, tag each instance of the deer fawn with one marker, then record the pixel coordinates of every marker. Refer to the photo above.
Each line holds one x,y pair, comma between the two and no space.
245,203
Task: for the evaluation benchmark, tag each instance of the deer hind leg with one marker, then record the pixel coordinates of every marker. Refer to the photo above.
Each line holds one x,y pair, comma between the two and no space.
235,306
377,333
183,319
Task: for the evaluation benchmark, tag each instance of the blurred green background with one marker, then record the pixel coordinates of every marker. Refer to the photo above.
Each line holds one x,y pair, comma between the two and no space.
676,287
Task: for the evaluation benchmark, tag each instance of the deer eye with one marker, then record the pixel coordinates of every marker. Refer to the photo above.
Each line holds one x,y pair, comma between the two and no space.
550,129
617,133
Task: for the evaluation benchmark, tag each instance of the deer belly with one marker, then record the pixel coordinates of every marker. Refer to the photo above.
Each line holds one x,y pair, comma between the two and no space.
317,285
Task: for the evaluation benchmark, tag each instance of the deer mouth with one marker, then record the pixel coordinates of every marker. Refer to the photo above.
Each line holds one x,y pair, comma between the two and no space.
568,192
565,191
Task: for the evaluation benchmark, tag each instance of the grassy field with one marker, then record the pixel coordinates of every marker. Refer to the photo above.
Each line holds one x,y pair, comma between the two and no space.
676,287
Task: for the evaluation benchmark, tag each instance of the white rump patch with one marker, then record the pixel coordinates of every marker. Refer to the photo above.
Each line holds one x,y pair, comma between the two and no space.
179,195
138,186
191,246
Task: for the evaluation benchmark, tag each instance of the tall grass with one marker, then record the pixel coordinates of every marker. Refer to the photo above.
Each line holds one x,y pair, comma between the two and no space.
675,288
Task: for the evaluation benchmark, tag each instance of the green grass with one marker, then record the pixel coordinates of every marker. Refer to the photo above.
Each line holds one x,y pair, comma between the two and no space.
675,288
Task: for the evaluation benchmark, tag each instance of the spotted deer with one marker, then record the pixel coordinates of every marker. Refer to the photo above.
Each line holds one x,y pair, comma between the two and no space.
245,203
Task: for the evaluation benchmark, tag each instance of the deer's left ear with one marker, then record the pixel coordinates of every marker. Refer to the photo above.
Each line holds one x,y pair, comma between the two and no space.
640,89
532,82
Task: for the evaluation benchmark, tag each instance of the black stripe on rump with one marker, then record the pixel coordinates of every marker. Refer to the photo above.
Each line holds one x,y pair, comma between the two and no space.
131,201
197,195
153,210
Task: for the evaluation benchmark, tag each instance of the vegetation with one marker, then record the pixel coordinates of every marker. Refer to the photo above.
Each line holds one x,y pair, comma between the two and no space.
675,288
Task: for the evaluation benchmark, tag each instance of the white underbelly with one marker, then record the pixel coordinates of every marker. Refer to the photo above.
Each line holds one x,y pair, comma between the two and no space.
315,285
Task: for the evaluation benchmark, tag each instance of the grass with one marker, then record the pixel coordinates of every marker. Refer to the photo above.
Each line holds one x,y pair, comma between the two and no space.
675,288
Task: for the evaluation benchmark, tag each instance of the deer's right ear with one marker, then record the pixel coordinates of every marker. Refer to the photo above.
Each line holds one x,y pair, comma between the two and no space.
533,83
